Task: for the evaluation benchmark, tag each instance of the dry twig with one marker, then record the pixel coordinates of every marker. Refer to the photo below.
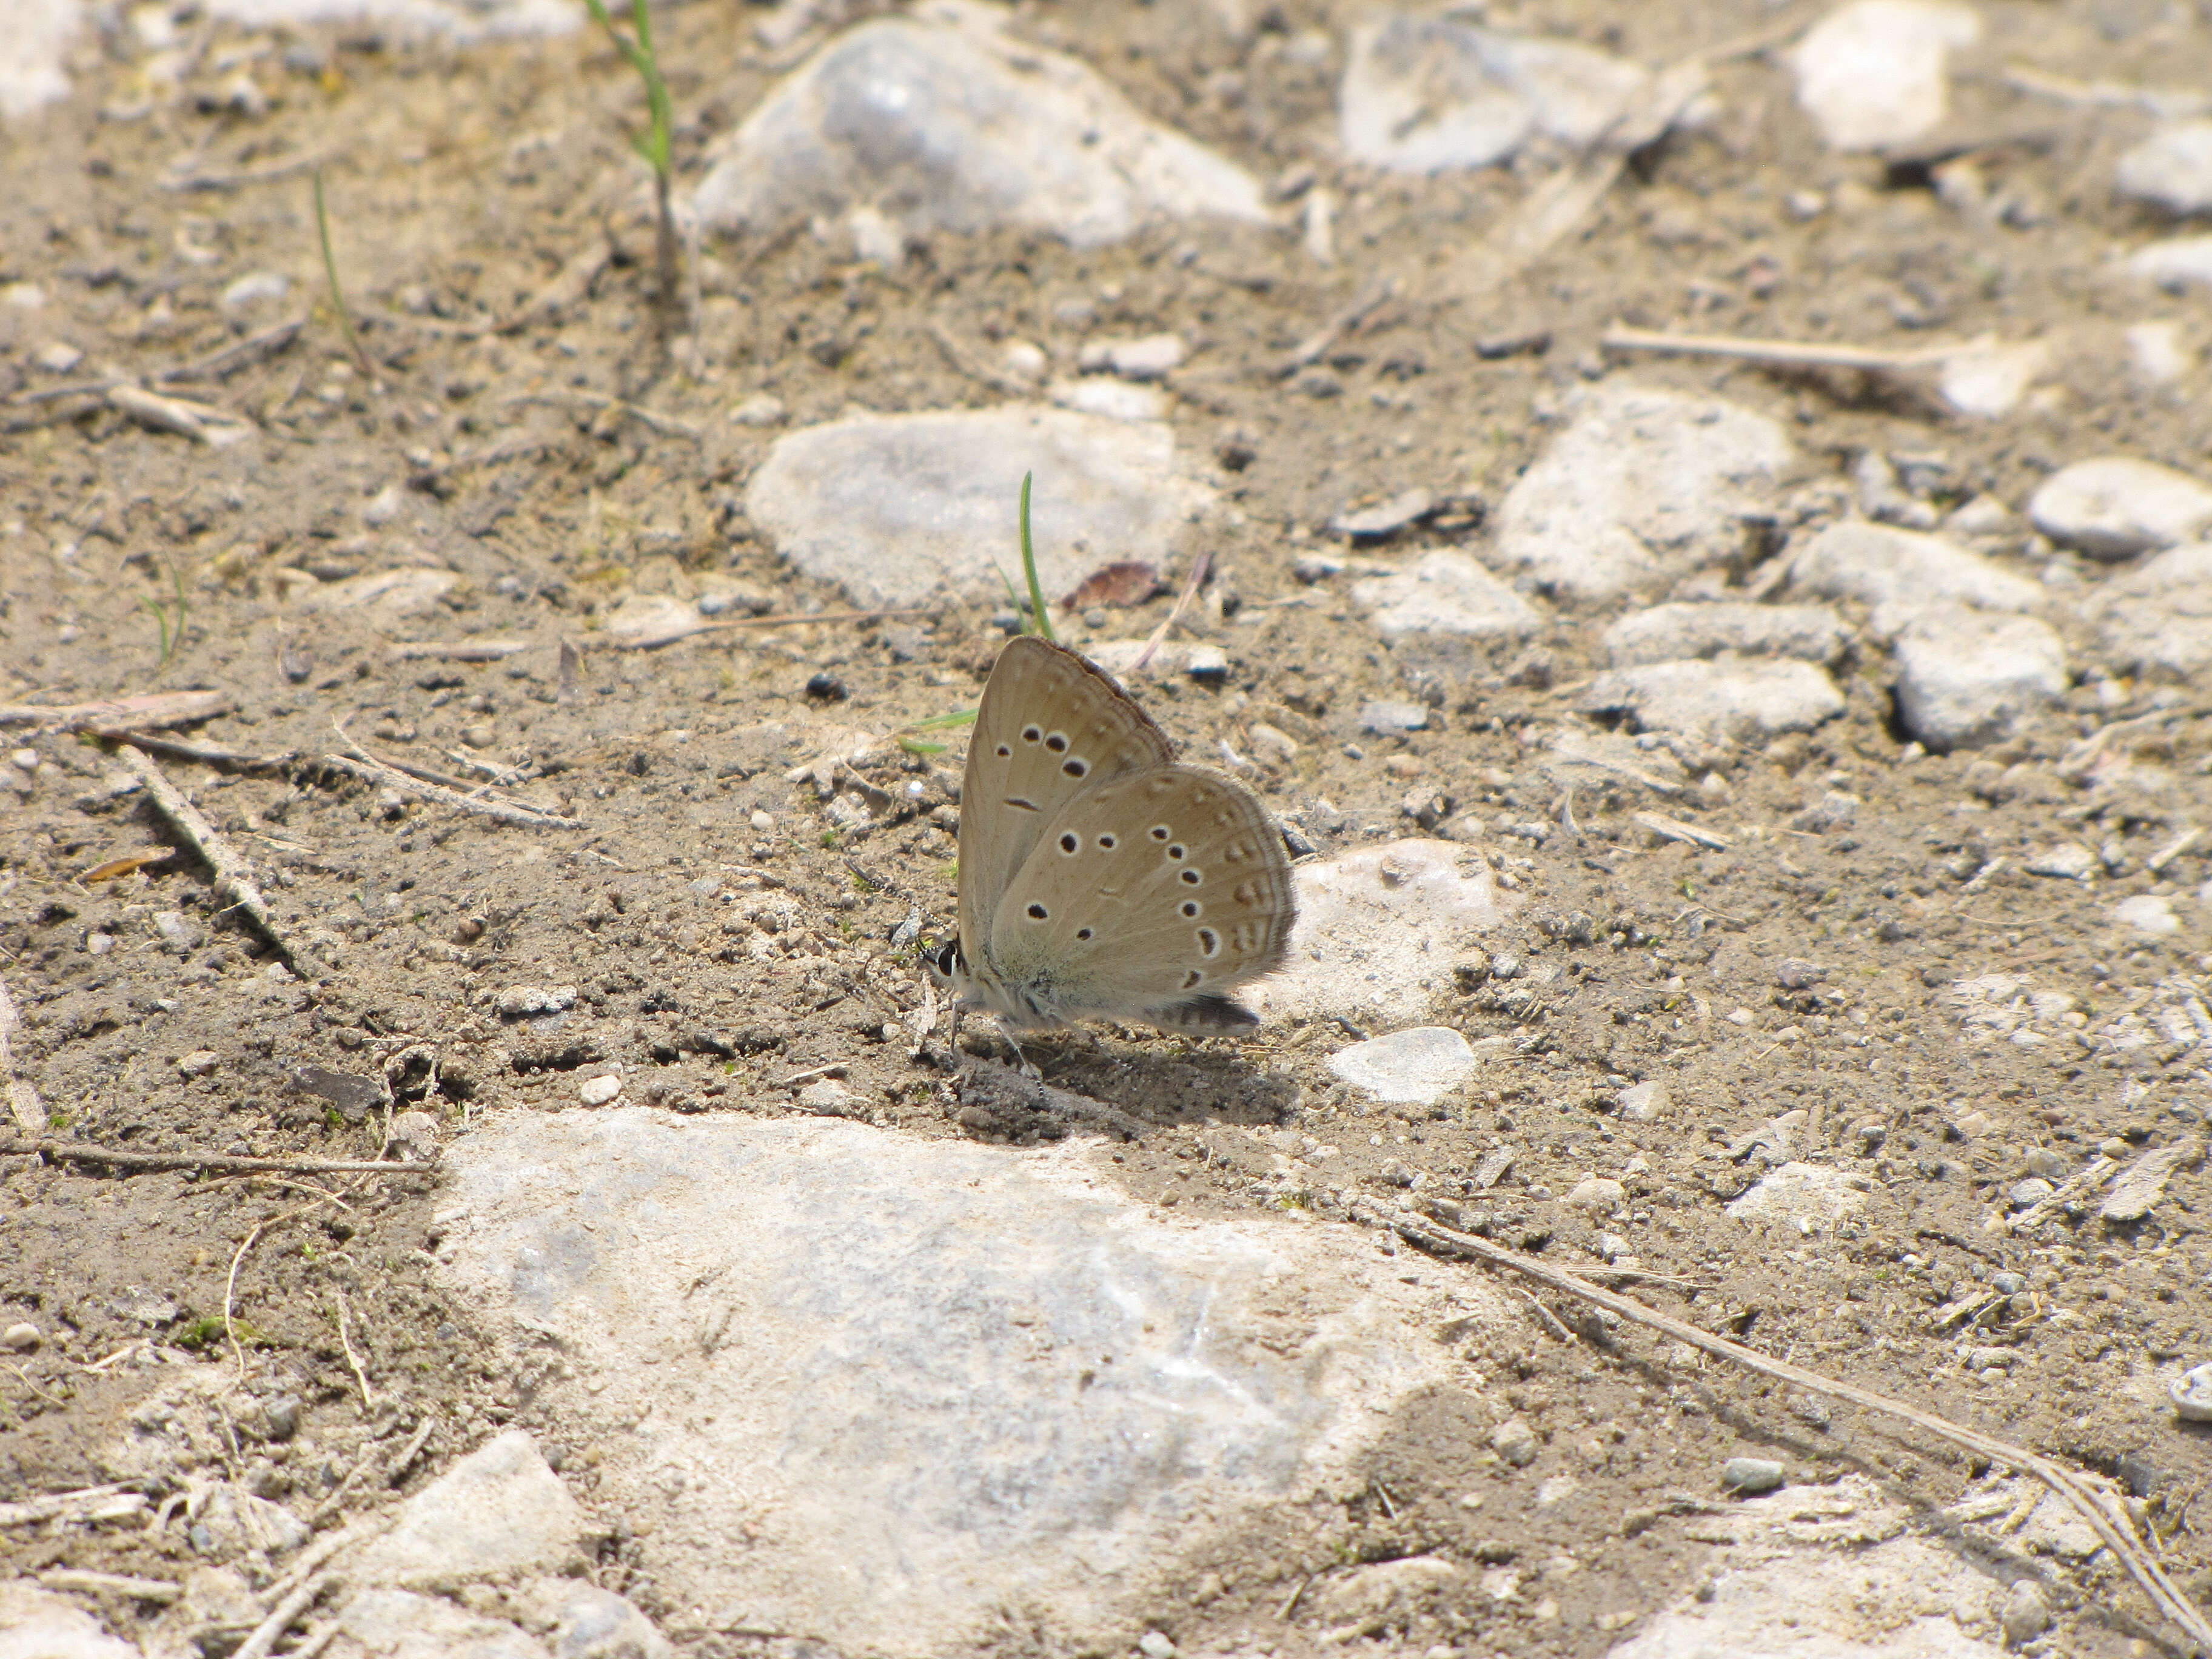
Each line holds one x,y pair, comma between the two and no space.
2072,1488
110,1584
1195,581
505,811
83,1152
233,877
1775,354
1375,294
666,425
353,1359
263,1642
1669,829
120,716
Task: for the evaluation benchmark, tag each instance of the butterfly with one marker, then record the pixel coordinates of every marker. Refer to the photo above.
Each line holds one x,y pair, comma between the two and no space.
1100,878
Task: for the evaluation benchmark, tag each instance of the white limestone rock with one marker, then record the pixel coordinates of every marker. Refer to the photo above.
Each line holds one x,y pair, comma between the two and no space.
1644,487
2116,507
1730,701
1417,1065
2178,263
1898,574
395,1624
1875,73
2155,620
1378,930
1424,94
939,122
1670,633
1808,1196
1965,678
911,509
2172,169
500,1509
1445,602
37,1624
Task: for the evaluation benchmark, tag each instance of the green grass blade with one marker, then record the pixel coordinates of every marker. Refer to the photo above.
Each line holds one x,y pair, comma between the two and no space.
1041,621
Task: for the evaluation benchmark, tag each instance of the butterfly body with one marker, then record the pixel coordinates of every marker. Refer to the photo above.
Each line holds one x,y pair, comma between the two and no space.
1099,877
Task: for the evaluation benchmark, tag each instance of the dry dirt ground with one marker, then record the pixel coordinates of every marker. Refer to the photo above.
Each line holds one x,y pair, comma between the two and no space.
460,183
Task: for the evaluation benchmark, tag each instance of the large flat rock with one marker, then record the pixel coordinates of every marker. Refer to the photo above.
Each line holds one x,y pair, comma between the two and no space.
939,123
851,1382
916,509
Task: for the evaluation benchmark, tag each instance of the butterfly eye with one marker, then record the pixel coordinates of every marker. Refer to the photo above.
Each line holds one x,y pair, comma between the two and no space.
1057,742
1038,913
1191,909
1004,753
1082,933
1191,877
1176,851
1071,842
1075,768
1209,942
1193,977
1107,843
1032,734
1159,832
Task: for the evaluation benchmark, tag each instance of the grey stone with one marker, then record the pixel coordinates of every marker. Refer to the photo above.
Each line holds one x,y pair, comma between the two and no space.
1968,678
1807,1195
2024,1194
1383,719
2191,1394
2147,913
1170,659
1644,487
1595,1192
1989,379
257,287
1442,600
1377,930
1668,632
395,1624
914,509
2178,263
1730,701
2025,1613
522,1002
1382,1593
1515,1442
1148,358
2043,1161
1752,1475
582,1621
942,123
950,1374
1987,1358
1385,517
1418,1065
2156,620
1426,95
1875,73
39,1624
500,1509
2139,1187
1645,1102
2171,170
2116,507
2067,861
1898,574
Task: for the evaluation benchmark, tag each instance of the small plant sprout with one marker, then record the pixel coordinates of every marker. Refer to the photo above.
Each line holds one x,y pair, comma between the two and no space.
169,614
338,294
654,145
1038,623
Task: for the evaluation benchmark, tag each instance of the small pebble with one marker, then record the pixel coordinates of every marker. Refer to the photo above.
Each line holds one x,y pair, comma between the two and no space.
598,1091
761,822
2192,1394
2041,1160
25,759
1516,1442
198,1063
1751,1475
99,944
2008,1284
2023,1195
2026,1613
21,1338
1983,1359
517,1002
283,1417
1382,718
1153,1644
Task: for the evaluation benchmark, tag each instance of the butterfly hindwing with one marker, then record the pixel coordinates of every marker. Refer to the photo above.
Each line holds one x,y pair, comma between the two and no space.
1050,726
1150,894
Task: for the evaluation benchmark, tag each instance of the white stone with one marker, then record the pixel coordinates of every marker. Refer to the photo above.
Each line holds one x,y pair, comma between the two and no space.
382,595
38,1623
1116,400
1644,1103
1385,1591
1419,1065
922,1379
1424,95
2147,913
1809,1194
1733,699
2176,264
1988,378
1876,72
2171,170
939,123
2117,507
916,509
256,288
1670,633
500,1509
598,1091
1378,931
395,1624
35,55
1170,659
1144,359
1596,1193
2159,353
1896,573
1969,677
586,1622
2155,620
521,1001
1644,487
762,408
1444,602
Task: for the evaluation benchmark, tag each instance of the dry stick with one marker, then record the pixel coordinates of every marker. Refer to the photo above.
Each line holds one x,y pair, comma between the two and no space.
1183,602
1774,354
234,879
113,718
22,1099
666,425
192,1160
218,365
957,355
263,1642
110,1584
1375,294
2070,1488
353,1359
311,1558
205,753
444,780
528,816
230,1284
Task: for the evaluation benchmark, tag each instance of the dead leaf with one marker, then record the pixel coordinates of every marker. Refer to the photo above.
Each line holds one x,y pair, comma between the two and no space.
1125,583
130,863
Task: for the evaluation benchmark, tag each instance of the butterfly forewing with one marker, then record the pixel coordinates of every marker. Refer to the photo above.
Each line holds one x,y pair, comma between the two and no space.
1050,726
1150,894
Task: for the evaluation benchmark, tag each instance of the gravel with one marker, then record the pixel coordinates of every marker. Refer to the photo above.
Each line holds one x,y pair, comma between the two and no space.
2116,507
